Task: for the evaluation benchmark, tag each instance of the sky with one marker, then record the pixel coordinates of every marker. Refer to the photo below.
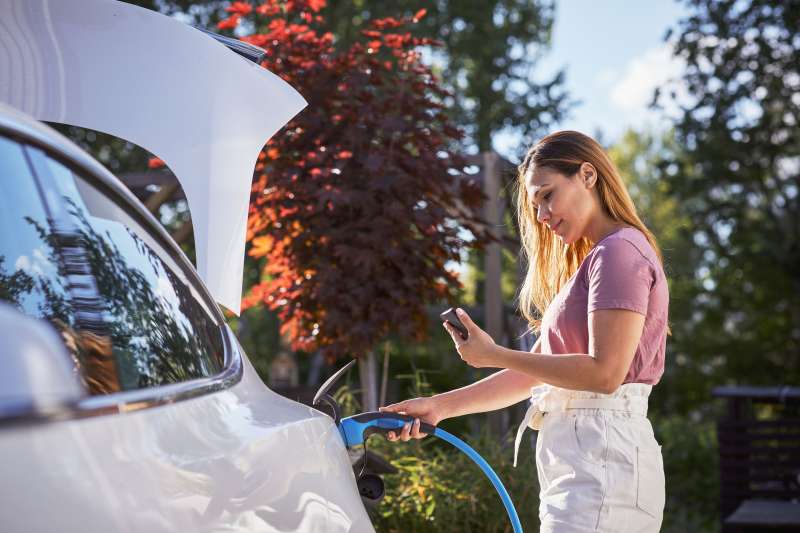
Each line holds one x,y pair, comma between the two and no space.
614,55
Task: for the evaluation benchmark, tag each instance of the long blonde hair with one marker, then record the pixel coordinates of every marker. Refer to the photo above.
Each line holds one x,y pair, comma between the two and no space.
551,262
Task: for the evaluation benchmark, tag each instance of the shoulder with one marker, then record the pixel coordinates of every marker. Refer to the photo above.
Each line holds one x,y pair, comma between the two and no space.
623,251
627,241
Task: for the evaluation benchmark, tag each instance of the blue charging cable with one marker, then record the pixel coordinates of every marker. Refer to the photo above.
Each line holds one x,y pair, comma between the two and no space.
357,428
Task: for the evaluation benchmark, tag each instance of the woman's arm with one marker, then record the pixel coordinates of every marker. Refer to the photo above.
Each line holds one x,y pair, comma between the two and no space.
614,335
497,391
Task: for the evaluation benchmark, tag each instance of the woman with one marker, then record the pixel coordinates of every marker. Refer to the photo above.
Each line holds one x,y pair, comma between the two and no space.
595,278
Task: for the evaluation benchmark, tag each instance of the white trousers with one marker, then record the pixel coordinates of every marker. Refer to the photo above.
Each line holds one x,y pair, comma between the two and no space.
598,463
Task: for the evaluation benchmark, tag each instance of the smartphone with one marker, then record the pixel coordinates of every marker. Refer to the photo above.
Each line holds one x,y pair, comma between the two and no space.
451,317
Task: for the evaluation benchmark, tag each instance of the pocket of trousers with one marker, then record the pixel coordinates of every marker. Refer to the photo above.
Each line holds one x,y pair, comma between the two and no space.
589,434
650,481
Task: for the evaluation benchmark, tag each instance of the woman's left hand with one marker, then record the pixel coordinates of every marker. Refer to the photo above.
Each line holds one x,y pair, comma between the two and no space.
479,350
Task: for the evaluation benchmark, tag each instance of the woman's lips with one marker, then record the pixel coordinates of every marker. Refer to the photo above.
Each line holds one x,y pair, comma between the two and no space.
555,228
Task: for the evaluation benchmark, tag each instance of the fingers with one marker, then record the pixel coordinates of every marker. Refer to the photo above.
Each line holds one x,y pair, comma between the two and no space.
465,319
415,429
410,431
448,328
454,334
393,408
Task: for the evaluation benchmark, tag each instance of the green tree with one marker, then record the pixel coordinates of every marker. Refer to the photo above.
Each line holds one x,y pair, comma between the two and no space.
681,397
491,50
203,13
639,156
739,187
489,55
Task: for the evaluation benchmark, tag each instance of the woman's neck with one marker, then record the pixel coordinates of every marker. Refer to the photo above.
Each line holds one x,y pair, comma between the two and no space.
603,228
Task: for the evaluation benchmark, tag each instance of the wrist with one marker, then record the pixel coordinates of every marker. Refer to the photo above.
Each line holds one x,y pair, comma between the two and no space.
500,356
441,406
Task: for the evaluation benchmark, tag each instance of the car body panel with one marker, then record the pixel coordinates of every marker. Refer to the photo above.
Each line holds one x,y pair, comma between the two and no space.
243,459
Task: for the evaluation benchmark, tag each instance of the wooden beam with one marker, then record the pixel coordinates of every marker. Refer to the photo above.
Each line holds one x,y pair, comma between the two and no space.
183,232
157,199
493,299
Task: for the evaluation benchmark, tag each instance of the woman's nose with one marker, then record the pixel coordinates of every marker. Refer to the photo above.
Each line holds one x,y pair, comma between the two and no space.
542,214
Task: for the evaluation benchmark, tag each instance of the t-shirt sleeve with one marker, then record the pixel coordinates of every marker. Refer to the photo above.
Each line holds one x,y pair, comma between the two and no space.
619,277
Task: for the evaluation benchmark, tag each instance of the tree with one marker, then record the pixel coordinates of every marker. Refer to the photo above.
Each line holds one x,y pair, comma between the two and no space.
639,156
356,205
739,185
490,51
203,13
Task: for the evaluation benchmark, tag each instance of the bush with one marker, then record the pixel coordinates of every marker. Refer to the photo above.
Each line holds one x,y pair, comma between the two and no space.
438,488
691,464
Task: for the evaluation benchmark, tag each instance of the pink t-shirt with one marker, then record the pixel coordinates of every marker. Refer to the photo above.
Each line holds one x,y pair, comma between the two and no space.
622,271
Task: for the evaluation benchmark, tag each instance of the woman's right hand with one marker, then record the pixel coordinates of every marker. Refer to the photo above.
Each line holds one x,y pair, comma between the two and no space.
424,409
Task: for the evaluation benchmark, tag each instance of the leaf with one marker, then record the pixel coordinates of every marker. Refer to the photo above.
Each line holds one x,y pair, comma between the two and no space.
333,227
229,23
239,8
261,246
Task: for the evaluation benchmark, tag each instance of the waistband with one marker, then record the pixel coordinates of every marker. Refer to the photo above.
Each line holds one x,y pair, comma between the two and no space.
628,398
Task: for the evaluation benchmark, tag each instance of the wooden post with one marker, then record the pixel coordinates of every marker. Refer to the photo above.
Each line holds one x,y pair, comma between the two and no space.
492,292
493,298
385,374
368,377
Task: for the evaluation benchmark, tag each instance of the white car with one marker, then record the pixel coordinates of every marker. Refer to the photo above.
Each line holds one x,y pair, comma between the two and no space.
126,402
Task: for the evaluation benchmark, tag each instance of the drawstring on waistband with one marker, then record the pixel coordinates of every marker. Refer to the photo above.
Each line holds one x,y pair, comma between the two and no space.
629,397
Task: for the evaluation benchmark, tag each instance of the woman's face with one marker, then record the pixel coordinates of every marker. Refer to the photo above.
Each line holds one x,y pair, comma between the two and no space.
566,205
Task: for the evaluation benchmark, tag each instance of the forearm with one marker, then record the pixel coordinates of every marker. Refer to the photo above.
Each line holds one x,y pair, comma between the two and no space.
568,371
499,390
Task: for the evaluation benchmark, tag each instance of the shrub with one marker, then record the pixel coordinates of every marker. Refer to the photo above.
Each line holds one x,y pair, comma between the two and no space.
691,464
438,488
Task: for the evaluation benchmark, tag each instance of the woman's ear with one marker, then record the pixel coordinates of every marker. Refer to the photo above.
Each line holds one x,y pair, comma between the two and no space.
588,174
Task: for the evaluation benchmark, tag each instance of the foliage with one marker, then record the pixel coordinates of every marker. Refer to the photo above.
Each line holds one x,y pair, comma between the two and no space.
504,38
357,204
14,285
490,50
685,386
691,466
203,13
117,155
739,187
438,488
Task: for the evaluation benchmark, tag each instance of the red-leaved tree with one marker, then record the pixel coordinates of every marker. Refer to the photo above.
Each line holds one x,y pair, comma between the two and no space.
357,204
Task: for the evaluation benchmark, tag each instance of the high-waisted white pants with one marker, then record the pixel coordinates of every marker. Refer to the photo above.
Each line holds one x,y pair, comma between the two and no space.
598,463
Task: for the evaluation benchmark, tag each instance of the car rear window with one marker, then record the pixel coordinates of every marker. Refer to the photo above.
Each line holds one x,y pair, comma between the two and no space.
160,327
32,277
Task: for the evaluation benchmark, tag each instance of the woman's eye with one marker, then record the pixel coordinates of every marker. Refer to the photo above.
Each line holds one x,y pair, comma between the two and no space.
547,196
